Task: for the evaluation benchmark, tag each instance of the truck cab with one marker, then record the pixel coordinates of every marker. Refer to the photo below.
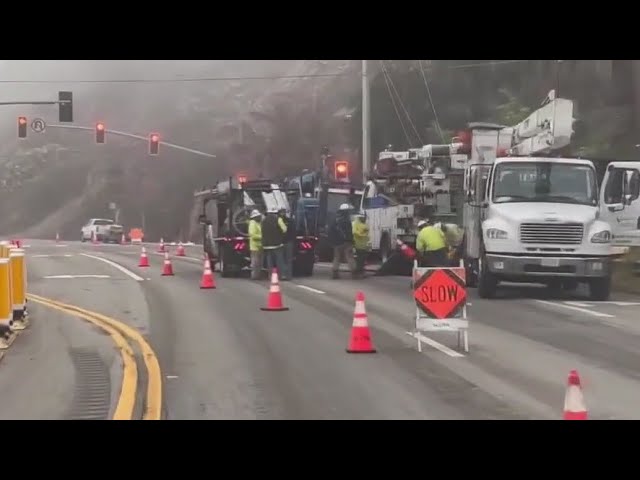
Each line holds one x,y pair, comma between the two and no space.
620,202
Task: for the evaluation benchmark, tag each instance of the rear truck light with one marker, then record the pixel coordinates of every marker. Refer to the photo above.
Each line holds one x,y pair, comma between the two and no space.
239,246
306,245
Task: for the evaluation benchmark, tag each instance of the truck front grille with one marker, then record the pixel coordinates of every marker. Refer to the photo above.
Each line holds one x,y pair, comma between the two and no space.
555,233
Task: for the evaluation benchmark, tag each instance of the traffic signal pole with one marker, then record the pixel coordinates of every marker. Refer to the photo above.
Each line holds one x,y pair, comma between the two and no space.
139,137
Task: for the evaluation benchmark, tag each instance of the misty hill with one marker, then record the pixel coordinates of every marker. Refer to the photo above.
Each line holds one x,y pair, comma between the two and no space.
57,180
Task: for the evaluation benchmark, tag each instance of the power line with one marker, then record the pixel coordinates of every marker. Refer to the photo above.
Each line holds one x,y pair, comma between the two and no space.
402,104
185,80
393,102
433,107
238,78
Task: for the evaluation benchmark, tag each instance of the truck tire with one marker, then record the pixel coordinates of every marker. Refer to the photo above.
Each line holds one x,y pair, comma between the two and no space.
225,272
385,247
487,282
600,288
304,269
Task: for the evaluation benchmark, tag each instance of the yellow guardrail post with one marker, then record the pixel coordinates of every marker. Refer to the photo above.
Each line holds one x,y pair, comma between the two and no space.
18,287
6,310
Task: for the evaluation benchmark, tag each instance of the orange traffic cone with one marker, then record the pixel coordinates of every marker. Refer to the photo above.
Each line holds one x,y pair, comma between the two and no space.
574,406
274,300
360,341
161,248
180,251
144,260
167,269
94,238
123,240
207,281
406,250
57,237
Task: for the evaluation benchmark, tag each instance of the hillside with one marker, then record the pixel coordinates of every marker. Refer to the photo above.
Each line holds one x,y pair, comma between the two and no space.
55,181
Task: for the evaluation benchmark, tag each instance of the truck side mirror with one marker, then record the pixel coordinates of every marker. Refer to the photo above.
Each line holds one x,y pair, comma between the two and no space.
630,187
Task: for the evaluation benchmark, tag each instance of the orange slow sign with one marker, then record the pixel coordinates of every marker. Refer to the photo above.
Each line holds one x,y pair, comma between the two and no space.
441,292
136,234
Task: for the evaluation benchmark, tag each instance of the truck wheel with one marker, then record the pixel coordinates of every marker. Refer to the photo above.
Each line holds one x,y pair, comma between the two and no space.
487,282
305,269
600,288
224,270
385,247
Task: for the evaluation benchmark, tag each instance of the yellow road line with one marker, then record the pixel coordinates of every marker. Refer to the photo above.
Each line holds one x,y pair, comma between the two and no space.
153,408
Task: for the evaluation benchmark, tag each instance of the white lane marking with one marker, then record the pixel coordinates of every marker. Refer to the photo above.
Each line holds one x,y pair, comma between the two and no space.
436,345
577,309
77,276
171,377
67,255
311,289
622,304
129,273
62,245
579,304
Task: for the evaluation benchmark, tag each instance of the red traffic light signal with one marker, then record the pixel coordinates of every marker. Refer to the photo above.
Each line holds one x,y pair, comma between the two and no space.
100,131
22,127
242,178
342,171
154,144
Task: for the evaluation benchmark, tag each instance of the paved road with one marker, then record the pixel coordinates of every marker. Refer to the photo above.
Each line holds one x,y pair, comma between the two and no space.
223,358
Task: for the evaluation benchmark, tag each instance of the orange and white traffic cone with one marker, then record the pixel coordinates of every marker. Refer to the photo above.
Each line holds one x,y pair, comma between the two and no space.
406,250
94,238
360,341
274,300
167,269
161,248
123,240
180,251
207,281
144,260
57,237
574,406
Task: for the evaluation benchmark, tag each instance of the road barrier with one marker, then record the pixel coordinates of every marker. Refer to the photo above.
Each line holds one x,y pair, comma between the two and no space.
13,289
18,287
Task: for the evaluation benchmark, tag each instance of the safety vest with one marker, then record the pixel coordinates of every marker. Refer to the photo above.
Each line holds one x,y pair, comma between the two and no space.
430,239
255,236
360,235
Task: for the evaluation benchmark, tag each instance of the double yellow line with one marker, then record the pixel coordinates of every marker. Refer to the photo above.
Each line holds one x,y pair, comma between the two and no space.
122,335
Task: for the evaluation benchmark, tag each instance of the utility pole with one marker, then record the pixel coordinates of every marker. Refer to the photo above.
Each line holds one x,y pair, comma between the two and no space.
366,123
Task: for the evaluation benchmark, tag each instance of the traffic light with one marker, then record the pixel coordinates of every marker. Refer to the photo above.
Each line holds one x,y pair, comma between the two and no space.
242,178
65,109
100,130
22,127
154,144
342,171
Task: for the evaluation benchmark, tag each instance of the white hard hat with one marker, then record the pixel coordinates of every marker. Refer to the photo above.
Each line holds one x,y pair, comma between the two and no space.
345,206
422,223
254,214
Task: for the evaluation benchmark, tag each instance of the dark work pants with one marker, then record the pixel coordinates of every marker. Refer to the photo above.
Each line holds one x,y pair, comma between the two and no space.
275,258
434,258
361,256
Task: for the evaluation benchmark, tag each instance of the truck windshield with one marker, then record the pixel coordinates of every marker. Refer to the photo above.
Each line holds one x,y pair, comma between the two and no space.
544,182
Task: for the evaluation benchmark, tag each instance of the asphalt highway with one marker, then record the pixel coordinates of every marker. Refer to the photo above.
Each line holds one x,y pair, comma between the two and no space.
221,357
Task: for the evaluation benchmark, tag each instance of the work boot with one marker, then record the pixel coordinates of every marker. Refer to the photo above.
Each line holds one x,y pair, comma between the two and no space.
335,275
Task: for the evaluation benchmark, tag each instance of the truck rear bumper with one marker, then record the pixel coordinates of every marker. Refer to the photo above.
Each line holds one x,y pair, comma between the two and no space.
579,267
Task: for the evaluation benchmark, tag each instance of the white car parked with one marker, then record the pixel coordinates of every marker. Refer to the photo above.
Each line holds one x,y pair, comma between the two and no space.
105,230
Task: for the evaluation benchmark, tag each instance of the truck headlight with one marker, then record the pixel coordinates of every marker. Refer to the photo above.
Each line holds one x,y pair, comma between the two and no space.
496,234
601,237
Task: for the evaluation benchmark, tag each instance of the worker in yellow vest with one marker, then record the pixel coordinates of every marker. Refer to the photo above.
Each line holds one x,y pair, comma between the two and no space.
360,231
255,244
431,245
